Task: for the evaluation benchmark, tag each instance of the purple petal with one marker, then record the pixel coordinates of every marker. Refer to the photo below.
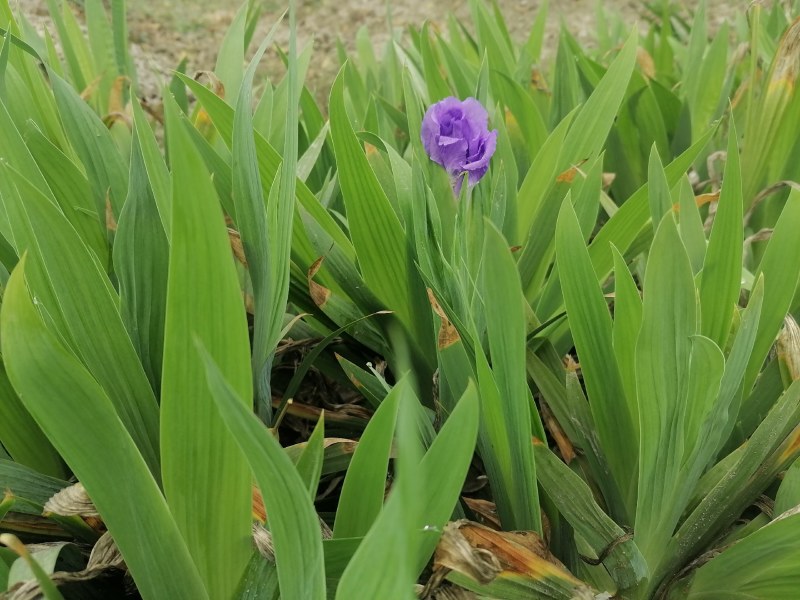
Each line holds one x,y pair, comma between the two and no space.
430,135
476,175
453,154
475,114
482,152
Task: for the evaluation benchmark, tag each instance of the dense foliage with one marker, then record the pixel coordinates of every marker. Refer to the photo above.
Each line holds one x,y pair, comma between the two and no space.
253,346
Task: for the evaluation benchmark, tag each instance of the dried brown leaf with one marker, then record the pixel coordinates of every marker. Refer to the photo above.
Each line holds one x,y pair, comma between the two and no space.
485,510
448,334
456,553
568,175
565,447
319,293
111,221
788,347
237,246
646,63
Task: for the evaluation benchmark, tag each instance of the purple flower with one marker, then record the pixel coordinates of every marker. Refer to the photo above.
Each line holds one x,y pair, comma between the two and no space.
456,135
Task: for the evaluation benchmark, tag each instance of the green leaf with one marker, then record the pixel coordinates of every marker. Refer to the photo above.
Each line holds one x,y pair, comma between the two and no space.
625,225
141,257
726,409
269,161
292,520
230,58
392,539
101,44
132,507
442,471
541,176
260,580
154,163
71,191
364,486
627,323
280,208
29,485
780,266
771,448
722,268
575,502
703,93
591,328
664,361
436,84
658,188
22,437
444,468
254,230
309,464
94,145
566,86
691,225
120,33
66,279
500,286
762,565
74,51
203,303
788,496
591,125
376,231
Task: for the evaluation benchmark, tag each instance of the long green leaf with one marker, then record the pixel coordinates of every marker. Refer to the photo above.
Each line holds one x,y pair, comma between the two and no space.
590,324
22,437
627,322
573,497
365,483
251,219
780,266
376,231
78,298
29,485
310,462
154,163
506,332
280,209
762,565
132,506
664,356
444,468
722,268
591,125
292,520
71,191
392,539
141,257
95,147
206,479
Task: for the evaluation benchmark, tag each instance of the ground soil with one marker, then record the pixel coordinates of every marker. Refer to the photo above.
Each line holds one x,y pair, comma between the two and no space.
162,31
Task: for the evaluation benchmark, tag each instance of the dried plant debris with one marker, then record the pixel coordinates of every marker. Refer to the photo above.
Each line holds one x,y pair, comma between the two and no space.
71,501
488,561
103,574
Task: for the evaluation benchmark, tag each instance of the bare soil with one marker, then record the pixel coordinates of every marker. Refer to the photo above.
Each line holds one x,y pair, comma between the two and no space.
163,31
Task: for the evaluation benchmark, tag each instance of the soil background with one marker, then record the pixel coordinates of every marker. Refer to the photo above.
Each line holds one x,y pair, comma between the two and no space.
163,31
